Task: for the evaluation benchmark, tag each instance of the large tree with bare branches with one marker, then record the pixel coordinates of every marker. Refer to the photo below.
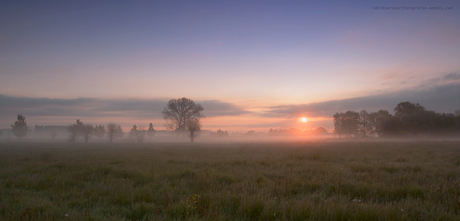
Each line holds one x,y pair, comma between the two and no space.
194,126
179,111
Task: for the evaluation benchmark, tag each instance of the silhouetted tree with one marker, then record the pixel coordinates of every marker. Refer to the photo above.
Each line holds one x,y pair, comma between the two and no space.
277,132
38,128
80,129
99,131
346,123
140,135
377,121
251,133
75,130
8,133
86,130
179,111
365,128
392,128
193,125
136,134
221,133
19,128
319,131
445,124
114,131
411,117
133,133
151,131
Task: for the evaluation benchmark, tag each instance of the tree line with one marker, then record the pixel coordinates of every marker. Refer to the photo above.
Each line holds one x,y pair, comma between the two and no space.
181,115
409,119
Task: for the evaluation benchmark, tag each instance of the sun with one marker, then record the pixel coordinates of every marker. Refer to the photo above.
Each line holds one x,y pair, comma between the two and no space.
304,119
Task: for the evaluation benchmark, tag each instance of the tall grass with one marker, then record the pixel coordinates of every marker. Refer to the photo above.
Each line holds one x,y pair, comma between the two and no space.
240,181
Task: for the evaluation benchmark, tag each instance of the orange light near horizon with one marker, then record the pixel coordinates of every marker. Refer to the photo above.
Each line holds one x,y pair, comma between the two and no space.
303,119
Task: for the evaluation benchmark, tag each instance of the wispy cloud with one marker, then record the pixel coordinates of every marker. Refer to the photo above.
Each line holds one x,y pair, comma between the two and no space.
439,94
92,107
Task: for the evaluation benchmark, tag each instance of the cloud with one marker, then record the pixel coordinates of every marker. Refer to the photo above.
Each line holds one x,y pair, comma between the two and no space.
92,107
442,98
452,76
219,108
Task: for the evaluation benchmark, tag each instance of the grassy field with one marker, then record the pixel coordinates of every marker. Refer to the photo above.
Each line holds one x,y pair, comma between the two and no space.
239,181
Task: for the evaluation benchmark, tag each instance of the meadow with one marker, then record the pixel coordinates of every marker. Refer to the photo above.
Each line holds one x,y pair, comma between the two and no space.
318,180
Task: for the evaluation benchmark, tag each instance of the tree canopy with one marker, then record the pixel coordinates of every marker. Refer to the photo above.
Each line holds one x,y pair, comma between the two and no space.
114,131
410,119
19,128
179,111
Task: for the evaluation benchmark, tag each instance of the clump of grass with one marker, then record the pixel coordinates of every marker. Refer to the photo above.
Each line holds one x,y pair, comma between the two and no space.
361,168
46,156
389,169
253,209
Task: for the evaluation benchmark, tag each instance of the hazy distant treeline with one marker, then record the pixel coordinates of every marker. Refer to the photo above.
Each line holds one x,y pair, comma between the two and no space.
296,132
409,120
182,118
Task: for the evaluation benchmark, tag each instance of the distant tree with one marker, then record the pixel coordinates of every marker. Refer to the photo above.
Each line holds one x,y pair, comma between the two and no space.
377,121
151,131
365,128
133,133
80,129
221,133
38,128
99,131
392,128
346,123
140,135
457,119
137,134
75,130
319,131
179,111
277,132
445,124
114,131
251,133
86,130
19,128
194,126
412,117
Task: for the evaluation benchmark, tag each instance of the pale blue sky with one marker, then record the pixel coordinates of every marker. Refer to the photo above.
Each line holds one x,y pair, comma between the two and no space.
254,55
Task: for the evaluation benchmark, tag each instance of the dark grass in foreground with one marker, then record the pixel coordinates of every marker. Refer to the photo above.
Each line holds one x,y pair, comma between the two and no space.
282,181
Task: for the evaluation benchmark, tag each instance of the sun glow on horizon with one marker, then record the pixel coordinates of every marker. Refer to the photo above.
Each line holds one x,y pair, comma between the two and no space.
304,119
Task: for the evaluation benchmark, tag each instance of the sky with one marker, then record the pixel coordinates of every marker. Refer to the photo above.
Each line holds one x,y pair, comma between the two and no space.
252,65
